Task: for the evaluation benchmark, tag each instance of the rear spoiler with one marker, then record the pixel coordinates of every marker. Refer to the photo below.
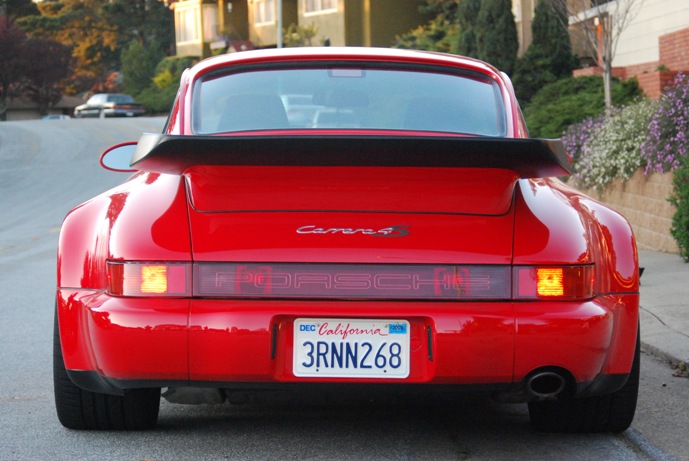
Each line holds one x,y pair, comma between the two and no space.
529,158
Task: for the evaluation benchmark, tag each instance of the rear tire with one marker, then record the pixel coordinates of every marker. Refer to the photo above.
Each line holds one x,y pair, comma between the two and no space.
607,413
85,410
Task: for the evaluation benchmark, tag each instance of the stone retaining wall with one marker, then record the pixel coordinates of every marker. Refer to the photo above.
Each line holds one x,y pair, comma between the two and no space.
643,201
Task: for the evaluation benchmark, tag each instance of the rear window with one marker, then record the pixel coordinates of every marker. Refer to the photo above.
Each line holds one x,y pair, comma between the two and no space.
352,97
120,98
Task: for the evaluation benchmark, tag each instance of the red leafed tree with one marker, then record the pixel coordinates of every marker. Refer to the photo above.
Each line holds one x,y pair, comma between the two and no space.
46,64
12,41
31,67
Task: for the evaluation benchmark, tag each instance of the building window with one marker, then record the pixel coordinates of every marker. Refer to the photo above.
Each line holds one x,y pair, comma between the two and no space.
187,24
264,12
210,23
319,6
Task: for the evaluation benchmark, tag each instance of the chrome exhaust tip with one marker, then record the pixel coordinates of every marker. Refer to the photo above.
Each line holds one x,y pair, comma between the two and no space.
545,385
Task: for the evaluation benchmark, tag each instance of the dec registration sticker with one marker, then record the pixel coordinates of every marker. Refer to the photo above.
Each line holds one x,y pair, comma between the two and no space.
351,348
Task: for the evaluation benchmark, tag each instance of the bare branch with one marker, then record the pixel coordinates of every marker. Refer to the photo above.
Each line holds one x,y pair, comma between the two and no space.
599,24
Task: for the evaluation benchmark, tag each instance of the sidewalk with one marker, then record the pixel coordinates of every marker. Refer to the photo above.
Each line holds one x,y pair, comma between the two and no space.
665,306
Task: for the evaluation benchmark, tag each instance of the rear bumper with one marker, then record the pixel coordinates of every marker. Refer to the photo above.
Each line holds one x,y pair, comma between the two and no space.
123,112
110,344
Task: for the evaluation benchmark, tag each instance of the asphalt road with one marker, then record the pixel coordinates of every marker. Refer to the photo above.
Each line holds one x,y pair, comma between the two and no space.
46,168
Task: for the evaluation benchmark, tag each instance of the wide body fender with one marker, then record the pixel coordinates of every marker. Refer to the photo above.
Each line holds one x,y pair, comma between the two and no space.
556,224
143,219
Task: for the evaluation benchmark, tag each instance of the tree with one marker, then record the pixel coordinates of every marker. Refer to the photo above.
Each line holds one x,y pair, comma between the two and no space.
13,9
548,58
139,66
599,25
160,95
45,64
440,33
12,41
28,66
149,22
79,25
496,34
467,16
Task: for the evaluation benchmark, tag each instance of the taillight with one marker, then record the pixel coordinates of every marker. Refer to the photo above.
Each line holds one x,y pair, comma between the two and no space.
149,279
351,281
554,283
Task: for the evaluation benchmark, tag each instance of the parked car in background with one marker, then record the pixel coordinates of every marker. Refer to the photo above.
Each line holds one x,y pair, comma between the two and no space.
418,241
109,105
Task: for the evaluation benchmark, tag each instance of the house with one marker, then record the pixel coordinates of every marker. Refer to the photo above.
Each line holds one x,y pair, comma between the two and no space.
653,46
206,27
21,108
340,22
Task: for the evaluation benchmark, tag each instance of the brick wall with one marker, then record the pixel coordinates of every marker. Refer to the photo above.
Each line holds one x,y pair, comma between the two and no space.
636,69
619,72
643,201
674,50
653,83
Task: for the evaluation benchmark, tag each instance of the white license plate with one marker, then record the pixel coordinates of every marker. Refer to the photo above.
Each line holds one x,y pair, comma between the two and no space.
351,348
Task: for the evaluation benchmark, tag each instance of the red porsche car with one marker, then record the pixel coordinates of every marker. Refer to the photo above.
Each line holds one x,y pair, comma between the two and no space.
417,239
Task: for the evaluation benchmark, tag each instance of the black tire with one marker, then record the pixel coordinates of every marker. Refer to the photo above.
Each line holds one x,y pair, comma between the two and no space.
85,410
607,413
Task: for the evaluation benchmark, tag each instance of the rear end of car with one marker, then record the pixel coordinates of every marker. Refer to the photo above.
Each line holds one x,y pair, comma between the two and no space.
421,250
122,105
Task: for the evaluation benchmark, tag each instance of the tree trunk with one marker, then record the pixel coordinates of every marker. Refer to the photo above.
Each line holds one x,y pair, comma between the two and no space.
607,85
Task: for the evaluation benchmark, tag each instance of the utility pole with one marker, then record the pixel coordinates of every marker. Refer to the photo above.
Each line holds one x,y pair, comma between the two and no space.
279,24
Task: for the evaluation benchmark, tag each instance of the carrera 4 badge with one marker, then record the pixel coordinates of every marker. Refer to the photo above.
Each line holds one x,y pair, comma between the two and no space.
392,231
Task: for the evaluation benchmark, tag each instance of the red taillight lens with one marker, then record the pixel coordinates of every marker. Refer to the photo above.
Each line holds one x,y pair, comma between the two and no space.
149,279
555,283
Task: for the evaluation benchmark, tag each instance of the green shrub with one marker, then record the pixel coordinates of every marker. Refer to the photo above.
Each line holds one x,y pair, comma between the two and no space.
680,199
138,66
159,95
565,102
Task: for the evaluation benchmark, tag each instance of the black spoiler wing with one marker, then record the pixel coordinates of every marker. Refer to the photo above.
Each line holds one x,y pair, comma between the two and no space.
529,158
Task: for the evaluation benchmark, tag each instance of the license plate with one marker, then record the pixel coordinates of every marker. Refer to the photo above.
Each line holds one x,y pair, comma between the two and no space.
351,348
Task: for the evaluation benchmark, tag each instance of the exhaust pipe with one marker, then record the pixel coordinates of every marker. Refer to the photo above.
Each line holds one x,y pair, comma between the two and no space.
545,385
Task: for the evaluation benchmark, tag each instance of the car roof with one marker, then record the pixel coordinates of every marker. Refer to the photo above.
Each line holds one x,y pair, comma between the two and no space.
391,55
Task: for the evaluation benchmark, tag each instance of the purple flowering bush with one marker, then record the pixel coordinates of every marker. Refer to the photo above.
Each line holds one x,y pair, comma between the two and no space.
665,149
580,134
605,148
666,142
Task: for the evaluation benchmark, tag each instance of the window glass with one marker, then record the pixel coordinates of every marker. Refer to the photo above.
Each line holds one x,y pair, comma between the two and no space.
348,98
264,11
318,6
210,23
187,25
